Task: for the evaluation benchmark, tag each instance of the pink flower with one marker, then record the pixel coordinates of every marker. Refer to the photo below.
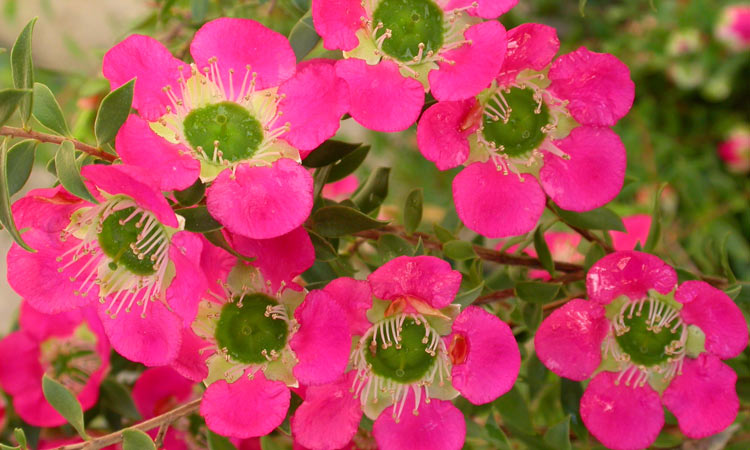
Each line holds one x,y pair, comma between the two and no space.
120,251
414,354
735,151
553,127
733,27
646,343
241,116
69,347
398,49
341,189
159,390
262,336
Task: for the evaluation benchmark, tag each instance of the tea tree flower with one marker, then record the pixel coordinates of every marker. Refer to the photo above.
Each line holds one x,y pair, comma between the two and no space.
533,123
645,342
733,27
242,115
397,49
735,151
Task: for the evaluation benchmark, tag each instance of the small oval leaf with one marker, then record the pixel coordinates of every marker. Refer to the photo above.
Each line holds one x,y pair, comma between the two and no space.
47,111
543,253
6,215
335,221
191,195
20,163
413,210
198,219
22,68
113,112
133,439
459,250
303,37
372,193
596,219
69,173
65,403
329,152
348,164
537,292
9,101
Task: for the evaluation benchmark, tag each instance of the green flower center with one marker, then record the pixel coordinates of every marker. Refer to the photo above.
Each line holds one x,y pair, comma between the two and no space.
224,127
647,345
412,22
249,331
131,240
407,360
522,132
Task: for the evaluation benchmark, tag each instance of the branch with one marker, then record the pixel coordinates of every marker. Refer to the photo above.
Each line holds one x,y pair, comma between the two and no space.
52,139
484,253
116,437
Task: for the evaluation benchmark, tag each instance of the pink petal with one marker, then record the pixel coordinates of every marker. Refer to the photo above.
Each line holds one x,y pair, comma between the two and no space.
597,85
246,408
337,22
563,246
138,145
48,210
592,176
530,46
237,43
492,359
20,370
41,325
279,259
135,183
153,66
355,297
184,293
569,341
36,278
497,205
329,417
191,360
341,189
486,9
716,315
621,417
628,273
636,230
160,389
216,264
425,278
262,202
153,340
439,426
323,340
474,65
381,98
315,101
703,398
442,133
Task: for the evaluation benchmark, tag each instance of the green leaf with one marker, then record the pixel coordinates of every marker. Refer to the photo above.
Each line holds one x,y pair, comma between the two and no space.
597,219
9,101
595,253
218,442
329,152
64,403
372,193
113,112
22,68
324,250
20,163
348,164
20,436
542,251
320,178
514,410
269,442
191,195
582,7
133,439
496,434
558,436
537,292
217,238
6,215
570,398
442,234
725,266
467,297
198,219
413,210
69,173
303,37
117,398
733,291
654,231
47,111
198,9
459,250
336,221
532,315
391,246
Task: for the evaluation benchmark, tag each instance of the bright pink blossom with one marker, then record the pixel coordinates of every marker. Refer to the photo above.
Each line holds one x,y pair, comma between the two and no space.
735,151
341,189
646,342
520,140
390,65
70,347
733,27
472,353
118,251
242,115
